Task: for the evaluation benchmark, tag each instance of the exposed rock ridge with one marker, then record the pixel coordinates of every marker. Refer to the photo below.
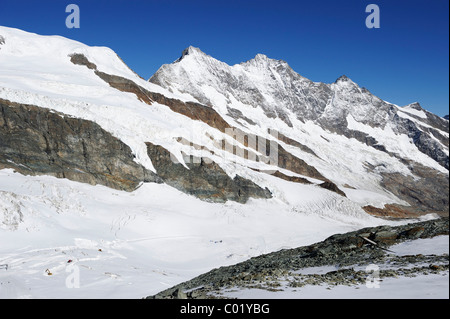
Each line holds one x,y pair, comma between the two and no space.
36,141
362,247
203,178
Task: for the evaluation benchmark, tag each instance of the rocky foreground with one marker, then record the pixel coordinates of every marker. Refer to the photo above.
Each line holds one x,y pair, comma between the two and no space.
350,253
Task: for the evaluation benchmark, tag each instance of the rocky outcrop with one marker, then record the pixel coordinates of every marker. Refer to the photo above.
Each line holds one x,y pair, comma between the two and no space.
203,178
426,193
345,251
293,142
424,142
36,141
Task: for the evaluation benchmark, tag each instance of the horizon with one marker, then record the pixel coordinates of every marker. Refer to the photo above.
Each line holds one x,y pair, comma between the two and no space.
402,62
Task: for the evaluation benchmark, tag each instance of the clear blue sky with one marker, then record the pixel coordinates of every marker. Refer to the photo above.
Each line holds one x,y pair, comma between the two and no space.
404,61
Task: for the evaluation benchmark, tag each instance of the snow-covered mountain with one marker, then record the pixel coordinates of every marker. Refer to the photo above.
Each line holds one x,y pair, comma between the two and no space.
280,92
145,184
263,94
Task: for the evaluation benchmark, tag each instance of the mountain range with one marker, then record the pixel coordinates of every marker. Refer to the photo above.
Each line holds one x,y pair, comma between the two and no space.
245,153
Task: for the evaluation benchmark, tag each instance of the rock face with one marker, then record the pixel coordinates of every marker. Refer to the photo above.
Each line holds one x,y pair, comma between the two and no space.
427,193
424,132
203,178
345,251
37,141
34,141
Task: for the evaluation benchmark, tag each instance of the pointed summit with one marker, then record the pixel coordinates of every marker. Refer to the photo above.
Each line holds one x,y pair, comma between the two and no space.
261,57
190,51
262,61
342,78
415,106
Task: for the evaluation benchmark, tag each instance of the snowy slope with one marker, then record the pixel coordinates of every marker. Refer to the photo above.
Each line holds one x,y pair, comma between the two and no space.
150,239
129,245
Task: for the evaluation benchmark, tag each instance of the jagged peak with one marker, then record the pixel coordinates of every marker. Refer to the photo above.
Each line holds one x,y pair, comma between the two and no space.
415,106
261,57
343,78
263,60
189,51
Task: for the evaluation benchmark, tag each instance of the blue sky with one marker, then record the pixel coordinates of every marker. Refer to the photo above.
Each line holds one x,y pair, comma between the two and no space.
405,60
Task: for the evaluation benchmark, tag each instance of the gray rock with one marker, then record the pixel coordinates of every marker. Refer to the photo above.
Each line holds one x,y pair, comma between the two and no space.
204,178
38,141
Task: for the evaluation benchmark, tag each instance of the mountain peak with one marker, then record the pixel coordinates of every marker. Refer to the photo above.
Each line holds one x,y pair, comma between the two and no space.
191,50
261,57
343,78
345,81
263,61
415,106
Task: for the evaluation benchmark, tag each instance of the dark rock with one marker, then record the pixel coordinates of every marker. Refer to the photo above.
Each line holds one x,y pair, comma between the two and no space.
413,233
204,178
429,193
80,59
332,187
37,141
295,143
425,143
384,236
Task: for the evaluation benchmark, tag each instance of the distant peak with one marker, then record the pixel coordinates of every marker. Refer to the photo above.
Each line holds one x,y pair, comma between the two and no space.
263,60
343,78
415,106
261,56
190,51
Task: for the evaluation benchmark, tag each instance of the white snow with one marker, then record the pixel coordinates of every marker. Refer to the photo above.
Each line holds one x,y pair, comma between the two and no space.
397,143
149,239
429,246
130,245
432,286
409,109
